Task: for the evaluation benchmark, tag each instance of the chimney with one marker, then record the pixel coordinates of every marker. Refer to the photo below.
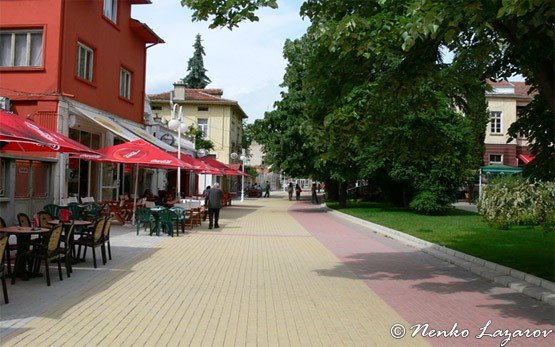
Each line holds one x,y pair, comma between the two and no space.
179,91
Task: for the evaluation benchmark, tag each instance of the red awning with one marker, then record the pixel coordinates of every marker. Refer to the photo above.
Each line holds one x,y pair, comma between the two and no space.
526,158
21,134
226,170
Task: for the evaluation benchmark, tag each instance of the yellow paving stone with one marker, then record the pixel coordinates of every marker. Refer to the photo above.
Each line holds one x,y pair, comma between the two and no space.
261,280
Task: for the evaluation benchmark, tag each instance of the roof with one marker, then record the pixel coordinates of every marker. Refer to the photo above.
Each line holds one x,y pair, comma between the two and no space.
521,89
196,96
144,32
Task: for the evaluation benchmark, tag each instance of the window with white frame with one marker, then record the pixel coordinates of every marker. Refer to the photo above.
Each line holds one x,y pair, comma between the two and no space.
125,84
21,48
202,125
85,57
496,158
111,10
496,126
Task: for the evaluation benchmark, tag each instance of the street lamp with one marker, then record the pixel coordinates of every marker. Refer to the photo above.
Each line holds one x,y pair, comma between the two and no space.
243,157
178,125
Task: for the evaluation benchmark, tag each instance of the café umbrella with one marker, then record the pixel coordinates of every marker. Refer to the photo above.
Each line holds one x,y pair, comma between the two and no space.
21,134
140,153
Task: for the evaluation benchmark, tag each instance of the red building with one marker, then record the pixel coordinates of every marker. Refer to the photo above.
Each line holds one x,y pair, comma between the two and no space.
77,67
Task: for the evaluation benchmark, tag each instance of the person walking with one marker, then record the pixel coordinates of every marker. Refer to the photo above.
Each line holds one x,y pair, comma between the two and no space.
298,191
214,199
267,190
314,198
290,190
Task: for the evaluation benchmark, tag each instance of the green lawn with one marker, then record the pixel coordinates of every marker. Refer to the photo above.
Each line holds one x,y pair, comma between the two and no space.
523,248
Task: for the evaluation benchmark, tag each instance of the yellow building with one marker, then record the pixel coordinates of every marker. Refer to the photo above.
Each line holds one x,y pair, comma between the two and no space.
505,101
221,120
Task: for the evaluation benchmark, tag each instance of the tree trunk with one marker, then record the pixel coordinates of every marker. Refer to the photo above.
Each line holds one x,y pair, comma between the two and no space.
332,190
343,194
543,73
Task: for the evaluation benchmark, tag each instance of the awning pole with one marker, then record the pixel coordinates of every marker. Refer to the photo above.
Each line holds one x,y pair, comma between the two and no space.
136,192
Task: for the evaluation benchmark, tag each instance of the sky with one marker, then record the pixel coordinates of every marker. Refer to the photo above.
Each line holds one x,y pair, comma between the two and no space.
246,62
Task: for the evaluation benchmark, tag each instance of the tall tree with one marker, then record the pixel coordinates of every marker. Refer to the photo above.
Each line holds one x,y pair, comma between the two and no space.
505,37
196,78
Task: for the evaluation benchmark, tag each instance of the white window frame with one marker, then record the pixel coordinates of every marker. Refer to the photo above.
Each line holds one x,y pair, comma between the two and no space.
30,59
85,68
125,83
110,10
496,122
495,162
203,127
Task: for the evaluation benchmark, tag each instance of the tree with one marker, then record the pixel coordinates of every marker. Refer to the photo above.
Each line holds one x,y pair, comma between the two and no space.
196,78
501,37
200,141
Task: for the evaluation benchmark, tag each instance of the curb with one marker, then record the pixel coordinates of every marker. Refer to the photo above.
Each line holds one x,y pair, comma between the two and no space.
529,285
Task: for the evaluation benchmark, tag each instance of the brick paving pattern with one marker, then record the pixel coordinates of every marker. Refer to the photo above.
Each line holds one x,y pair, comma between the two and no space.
278,273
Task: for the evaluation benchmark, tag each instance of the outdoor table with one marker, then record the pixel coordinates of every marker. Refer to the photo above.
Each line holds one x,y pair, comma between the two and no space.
155,211
23,235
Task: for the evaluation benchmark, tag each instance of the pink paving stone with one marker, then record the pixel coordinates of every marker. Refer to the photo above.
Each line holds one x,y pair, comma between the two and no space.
423,289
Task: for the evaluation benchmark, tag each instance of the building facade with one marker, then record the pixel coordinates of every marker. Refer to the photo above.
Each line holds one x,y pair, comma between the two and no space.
76,67
220,119
505,101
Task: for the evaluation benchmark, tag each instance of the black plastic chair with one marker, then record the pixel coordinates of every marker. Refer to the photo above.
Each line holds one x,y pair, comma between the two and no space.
3,247
48,250
93,239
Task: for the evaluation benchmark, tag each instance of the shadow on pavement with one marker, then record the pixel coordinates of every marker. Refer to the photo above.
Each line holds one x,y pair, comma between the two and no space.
33,298
396,270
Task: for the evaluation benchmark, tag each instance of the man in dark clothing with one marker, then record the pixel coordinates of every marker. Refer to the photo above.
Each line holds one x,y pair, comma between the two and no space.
267,190
214,199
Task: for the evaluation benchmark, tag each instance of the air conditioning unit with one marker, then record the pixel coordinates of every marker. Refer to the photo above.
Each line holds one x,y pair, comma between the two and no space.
5,103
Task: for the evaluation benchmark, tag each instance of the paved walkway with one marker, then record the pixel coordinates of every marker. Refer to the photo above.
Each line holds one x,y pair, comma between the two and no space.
276,273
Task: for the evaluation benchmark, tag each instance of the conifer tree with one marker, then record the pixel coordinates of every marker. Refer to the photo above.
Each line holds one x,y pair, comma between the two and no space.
196,78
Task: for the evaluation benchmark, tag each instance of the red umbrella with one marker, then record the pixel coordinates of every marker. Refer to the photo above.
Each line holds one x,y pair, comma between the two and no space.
141,153
21,134
226,170
199,166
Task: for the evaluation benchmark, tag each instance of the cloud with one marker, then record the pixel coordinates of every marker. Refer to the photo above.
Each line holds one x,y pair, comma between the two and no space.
247,62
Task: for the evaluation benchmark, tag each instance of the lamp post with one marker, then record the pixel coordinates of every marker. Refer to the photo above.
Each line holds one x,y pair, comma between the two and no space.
243,157
178,125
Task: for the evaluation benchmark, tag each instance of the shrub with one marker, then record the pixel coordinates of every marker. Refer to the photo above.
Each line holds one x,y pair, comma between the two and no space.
513,200
428,202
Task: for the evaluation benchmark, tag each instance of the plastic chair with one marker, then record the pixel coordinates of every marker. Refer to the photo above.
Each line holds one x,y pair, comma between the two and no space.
142,216
8,249
3,247
23,220
75,210
44,218
91,211
93,240
166,219
54,210
106,237
67,250
48,250
180,218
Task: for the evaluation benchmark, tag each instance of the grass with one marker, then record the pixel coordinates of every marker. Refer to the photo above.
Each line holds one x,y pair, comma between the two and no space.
523,248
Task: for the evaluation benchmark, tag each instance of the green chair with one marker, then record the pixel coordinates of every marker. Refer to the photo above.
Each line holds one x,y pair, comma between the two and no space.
91,211
54,210
75,209
143,216
166,218
180,219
